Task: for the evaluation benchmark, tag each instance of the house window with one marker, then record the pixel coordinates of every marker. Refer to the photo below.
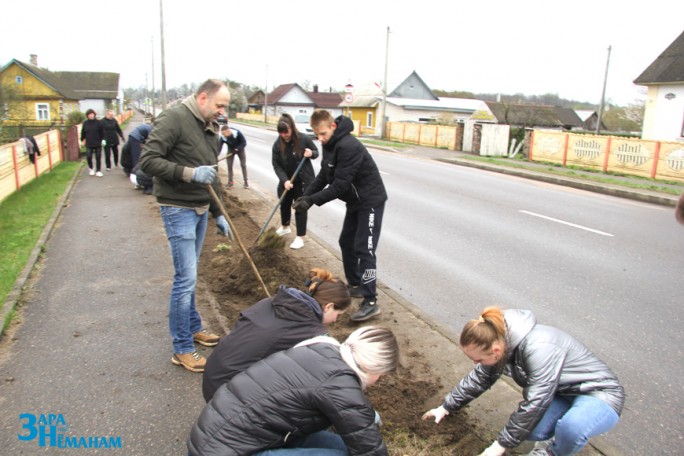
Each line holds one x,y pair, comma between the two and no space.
19,80
369,119
42,111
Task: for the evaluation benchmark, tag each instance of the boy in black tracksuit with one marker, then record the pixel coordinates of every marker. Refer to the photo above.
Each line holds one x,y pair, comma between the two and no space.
349,173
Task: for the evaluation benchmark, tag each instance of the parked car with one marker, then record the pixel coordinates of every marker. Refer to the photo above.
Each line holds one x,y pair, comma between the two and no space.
303,125
222,120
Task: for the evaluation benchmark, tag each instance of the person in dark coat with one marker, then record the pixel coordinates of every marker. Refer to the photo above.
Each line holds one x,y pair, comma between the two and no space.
130,154
285,403
92,135
236,143
274,324
288,152
349,173
112,132
569,394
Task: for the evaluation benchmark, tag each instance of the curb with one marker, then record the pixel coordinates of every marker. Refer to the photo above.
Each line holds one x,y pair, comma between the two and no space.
15,293
606,189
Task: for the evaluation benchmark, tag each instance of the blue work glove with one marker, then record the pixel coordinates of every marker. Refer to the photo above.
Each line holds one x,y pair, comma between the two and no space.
204,174
302,204
378,420
224,227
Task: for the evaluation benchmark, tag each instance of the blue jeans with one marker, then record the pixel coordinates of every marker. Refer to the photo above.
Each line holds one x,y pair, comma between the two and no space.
321,443
185,231
572,421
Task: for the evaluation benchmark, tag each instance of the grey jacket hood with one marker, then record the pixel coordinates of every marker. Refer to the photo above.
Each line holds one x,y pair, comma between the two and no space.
518,324
191,103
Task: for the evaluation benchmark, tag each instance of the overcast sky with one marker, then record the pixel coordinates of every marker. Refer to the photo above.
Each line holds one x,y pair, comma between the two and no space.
494,46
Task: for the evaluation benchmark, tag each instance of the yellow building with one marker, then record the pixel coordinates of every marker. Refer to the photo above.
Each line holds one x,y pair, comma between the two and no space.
31,96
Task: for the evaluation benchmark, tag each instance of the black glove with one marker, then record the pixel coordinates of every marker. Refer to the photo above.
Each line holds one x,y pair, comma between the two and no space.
302,204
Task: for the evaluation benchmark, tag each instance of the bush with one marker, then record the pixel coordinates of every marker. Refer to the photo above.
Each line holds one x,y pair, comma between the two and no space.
75,118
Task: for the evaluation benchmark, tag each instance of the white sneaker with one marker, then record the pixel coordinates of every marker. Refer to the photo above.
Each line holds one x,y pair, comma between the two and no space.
283,230
298,243
540,448
91,172
98,174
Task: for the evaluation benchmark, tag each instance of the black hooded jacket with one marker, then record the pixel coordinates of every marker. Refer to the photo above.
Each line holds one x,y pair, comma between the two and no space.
348,172
92,132
283,398
112,131
285,164
270,325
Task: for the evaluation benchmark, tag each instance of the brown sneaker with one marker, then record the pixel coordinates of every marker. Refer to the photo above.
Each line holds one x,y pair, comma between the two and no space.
194,362
206,338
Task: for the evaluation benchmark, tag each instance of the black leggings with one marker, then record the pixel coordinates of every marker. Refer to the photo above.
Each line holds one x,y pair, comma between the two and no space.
97,151
286,207
112,149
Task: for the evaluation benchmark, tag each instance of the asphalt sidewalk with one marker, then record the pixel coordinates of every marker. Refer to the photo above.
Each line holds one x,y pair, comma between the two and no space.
93,348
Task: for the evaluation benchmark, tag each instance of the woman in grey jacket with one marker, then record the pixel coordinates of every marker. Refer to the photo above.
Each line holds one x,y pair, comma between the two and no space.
569,394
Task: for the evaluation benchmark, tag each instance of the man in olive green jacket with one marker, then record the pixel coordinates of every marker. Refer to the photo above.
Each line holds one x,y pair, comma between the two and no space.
180,154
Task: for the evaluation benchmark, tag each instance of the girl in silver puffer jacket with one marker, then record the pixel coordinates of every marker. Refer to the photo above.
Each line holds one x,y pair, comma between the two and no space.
569,394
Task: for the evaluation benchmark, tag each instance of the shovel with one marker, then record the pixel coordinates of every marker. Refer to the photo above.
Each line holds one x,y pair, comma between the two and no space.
217,200
268,220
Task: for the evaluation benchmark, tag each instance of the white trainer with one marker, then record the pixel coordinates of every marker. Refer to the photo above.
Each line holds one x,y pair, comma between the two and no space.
298,243
92,172
98,174
283,230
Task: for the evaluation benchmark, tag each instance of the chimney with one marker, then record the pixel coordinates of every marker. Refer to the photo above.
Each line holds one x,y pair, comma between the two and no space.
315,88
34,59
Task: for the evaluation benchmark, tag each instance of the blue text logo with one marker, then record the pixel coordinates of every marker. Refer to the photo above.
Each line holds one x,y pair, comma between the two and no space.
51,431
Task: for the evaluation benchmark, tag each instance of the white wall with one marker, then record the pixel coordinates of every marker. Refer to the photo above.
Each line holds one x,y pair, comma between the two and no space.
664,118
97,105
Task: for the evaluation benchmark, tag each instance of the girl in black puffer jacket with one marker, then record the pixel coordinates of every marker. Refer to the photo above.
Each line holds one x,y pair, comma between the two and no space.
287,400
274,324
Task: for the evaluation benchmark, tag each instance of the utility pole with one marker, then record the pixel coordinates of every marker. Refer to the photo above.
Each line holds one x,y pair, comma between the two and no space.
383,111
603,94
152,43
266,97
163,64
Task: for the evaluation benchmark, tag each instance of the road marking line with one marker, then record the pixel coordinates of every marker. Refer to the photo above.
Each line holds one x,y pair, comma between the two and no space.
602,233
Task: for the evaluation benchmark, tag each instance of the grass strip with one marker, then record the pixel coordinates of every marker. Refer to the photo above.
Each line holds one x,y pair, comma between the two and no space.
23,216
